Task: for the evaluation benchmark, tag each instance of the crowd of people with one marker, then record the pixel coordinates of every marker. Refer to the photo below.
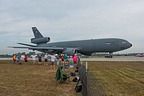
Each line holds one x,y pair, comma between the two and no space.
53,60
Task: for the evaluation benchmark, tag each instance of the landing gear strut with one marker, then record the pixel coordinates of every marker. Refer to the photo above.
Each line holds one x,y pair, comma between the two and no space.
109,56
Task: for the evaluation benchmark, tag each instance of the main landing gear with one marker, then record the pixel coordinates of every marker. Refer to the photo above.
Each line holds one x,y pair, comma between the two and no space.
109,56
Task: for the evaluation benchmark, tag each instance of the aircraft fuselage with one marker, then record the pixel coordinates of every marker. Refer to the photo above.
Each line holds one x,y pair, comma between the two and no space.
86,47
94,45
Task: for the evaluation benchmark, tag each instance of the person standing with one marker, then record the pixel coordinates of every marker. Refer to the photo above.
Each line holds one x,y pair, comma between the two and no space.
62,58
34,58
46,59
18,59
14,59
58,60
65,57
39,59
26,58
75,59
53,59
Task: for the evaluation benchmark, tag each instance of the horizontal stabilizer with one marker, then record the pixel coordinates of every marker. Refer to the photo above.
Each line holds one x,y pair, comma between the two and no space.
26,44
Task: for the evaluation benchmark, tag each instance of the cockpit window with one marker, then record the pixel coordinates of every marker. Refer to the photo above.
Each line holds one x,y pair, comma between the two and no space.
124,42
110,43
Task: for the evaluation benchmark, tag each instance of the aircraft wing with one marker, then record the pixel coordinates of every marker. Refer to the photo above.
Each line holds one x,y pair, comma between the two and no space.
46,48
18,47
39,48
52,49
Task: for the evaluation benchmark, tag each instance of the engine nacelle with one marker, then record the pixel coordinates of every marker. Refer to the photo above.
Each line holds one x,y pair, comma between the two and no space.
69,51
40,40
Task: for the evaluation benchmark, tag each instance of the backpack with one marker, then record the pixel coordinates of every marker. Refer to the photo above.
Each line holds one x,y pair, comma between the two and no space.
73,74
76,70
75,79
78,88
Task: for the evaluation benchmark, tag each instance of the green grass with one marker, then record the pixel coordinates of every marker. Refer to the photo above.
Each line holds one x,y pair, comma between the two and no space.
119,78
116,78
31,80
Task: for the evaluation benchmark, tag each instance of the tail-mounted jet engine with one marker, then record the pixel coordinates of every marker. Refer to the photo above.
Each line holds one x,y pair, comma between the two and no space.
40,40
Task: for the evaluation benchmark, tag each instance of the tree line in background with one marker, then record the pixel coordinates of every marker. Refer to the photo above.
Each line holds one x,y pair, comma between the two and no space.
94,54
19,53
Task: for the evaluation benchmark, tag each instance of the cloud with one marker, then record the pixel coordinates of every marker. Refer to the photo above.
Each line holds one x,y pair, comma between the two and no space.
64,20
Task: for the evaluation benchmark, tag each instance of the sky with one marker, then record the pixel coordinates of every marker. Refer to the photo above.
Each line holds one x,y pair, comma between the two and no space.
66,20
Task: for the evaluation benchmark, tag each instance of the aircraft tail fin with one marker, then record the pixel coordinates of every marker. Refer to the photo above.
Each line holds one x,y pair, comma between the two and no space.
39,39
36,32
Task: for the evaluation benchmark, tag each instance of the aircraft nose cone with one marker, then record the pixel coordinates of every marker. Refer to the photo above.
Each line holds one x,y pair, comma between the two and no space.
130,45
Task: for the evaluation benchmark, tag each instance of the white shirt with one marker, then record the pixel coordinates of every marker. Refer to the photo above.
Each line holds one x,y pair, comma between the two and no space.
33,57
46,56
53,58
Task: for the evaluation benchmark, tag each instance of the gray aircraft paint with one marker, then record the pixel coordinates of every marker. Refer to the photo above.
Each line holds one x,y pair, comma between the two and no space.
86,47
93,45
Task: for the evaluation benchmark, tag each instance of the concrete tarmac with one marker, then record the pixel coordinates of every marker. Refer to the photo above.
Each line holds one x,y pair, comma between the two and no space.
115,58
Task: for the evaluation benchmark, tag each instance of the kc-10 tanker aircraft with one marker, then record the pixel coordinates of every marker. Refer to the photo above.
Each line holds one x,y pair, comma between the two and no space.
86,47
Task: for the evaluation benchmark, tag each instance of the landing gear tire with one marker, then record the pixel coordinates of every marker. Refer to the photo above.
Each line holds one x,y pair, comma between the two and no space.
108,56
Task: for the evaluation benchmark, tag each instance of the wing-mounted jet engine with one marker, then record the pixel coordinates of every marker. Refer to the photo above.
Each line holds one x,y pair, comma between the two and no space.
40,40
69,51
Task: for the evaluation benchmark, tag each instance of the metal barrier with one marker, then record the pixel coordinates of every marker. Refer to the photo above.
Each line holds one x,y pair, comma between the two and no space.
90,85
